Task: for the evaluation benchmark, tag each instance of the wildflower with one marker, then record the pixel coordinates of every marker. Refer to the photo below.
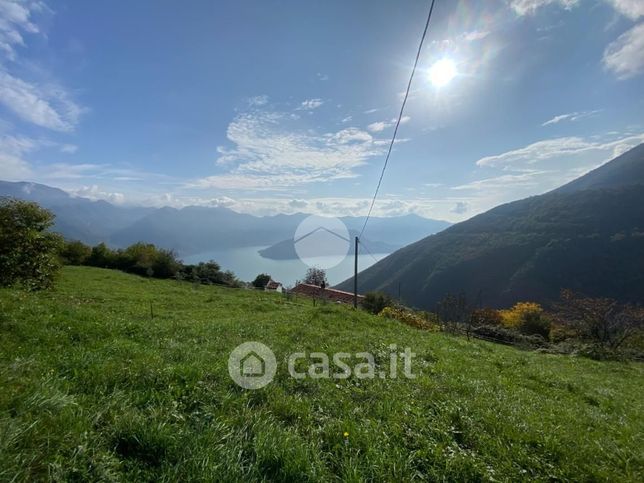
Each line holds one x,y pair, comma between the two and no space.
346,434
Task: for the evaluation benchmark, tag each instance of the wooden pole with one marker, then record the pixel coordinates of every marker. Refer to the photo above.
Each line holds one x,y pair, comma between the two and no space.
355,277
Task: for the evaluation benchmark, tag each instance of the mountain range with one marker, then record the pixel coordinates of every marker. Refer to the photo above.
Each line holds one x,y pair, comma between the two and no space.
198,229
587,235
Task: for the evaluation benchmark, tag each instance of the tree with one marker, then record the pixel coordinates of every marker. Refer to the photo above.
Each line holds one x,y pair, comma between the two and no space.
454,311
75,253
102,256
528,318
602,321
261,280
315,276
28,252
375,302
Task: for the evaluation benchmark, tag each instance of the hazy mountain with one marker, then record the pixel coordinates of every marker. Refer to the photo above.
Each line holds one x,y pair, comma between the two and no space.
587,236
194,229
285,250
77,218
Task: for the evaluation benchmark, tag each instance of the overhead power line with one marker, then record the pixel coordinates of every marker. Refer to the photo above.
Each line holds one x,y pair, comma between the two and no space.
402,110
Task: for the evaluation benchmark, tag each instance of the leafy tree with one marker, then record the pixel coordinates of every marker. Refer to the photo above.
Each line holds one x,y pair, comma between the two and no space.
102,256
28,252
486,316
375,302
75,253
261,280
315,276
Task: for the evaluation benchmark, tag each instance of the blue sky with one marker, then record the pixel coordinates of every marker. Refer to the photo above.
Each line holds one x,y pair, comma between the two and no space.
287,106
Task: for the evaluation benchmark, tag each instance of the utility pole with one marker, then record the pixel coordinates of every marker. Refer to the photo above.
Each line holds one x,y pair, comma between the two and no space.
355,277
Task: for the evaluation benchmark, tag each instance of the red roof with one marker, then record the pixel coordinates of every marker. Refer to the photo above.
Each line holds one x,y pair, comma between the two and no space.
326,293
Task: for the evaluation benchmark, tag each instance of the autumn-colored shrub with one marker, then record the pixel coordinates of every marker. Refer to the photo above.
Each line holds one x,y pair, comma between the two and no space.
528,318
486,316
407,317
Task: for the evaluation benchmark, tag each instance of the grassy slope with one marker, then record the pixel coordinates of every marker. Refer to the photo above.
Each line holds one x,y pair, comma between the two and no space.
93,388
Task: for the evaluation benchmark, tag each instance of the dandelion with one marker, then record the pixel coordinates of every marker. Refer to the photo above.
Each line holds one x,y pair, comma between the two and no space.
346,434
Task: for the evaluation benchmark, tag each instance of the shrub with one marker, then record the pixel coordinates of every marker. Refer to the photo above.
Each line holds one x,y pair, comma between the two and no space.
261,280
102,257
601,321
508,336
527,318
75,253
407,317
375,302
486,316
28,252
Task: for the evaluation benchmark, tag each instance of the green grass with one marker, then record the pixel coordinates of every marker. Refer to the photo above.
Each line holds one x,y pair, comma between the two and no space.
94,388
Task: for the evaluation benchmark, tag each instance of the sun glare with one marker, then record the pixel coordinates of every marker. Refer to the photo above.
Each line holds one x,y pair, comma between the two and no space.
442,72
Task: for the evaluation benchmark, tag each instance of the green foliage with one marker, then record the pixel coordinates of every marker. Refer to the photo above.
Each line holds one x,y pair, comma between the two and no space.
75,253
102,257
375,302
261,280
28,252
93,389
315,276
210,273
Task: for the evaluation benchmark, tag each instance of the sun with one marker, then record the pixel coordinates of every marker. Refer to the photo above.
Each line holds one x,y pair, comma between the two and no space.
442,72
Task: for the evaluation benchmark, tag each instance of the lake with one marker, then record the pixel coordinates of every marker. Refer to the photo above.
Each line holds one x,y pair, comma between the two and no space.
247,263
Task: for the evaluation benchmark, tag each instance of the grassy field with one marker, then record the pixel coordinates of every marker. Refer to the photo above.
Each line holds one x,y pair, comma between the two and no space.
95,388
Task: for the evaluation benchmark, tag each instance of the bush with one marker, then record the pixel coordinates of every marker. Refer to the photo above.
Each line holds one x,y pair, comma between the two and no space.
407,317
375,302
261,280
601,321
75,253
102,257
486,316
527,318
28,252
508,336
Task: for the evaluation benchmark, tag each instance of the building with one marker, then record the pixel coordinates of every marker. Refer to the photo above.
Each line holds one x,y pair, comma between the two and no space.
325,293
273,286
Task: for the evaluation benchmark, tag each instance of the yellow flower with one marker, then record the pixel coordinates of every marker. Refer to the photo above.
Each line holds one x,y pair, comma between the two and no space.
346,434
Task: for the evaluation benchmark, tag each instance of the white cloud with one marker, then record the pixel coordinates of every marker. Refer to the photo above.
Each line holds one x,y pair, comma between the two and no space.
93,192
632,9
475,35
382,125
310,104
551,149
14,20
347,119
257,100
13,166
43,104
322,77
271,152
625,56
572,116
68,148
529,7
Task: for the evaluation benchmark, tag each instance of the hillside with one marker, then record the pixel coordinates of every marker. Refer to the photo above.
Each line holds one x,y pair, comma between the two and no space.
95,388
587,236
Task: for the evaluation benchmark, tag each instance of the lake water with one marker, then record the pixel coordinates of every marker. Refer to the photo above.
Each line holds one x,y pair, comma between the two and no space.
247,263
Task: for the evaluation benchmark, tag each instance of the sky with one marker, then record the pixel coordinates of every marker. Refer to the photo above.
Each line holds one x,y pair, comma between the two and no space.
288,106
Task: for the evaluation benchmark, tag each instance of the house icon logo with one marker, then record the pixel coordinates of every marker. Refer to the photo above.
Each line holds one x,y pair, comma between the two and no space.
321,242
252,365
